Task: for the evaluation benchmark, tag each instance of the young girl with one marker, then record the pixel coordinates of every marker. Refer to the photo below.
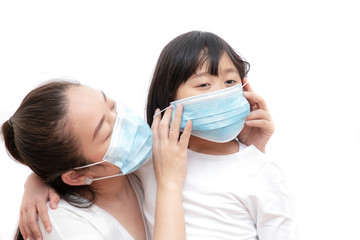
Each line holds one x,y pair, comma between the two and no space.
232,191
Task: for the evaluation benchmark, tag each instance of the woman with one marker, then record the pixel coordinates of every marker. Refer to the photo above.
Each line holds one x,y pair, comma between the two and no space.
73,138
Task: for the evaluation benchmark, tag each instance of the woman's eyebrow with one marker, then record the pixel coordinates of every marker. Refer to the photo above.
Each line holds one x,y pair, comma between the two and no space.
105,99
97,129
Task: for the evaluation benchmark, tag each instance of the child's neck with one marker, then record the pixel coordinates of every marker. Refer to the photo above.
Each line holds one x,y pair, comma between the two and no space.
212,148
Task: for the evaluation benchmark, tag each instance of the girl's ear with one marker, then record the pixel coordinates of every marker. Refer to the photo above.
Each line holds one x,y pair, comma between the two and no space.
73,178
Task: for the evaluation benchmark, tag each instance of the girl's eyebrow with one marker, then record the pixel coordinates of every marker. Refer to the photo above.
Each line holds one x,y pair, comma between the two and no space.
197,75
230,70
227,70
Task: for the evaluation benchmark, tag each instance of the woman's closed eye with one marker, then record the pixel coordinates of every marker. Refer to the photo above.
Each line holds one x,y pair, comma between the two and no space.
109,135
113,107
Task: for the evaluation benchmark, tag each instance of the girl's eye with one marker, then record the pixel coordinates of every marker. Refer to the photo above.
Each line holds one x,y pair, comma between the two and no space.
230,82
204,85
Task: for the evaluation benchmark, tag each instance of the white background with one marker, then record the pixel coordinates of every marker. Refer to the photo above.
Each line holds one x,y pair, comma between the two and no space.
304,59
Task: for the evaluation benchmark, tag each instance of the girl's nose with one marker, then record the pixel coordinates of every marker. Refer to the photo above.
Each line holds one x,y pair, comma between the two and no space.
218,85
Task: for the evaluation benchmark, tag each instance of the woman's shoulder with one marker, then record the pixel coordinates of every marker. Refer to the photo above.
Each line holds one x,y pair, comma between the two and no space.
66,208
70,222
73,222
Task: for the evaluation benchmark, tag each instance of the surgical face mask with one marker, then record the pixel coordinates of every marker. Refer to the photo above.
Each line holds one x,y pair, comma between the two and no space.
217,116
130,144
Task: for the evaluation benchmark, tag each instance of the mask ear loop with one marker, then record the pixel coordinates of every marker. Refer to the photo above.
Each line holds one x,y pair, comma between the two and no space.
89,165
245,84
163,110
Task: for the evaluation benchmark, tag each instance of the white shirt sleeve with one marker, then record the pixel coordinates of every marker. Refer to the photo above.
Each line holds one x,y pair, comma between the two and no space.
269,205
68,223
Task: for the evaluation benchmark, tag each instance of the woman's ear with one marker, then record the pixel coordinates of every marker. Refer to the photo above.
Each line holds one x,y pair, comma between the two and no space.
73,178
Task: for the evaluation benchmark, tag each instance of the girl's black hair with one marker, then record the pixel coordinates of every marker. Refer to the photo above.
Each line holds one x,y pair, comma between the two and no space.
180,59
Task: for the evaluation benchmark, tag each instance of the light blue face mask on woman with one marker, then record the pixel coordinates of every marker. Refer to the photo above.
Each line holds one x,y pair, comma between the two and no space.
217,116
130,144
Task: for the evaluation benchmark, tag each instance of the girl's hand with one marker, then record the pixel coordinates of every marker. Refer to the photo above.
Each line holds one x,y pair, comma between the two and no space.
170,151
259,126
36,194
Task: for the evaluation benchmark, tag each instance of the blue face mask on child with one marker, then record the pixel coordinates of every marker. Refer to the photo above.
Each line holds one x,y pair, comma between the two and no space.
130,145
217,116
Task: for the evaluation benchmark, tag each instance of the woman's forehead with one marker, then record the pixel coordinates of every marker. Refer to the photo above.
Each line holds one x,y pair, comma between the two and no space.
84,102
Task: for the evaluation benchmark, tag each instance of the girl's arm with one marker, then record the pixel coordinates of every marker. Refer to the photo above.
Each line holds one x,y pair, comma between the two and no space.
170,165
270,205
36,194
259,126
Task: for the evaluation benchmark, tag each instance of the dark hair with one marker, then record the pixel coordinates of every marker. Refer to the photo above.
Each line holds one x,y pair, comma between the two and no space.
37,135
180,59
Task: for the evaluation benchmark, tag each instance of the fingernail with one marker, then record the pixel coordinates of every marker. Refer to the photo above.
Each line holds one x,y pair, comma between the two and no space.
48,228
246,94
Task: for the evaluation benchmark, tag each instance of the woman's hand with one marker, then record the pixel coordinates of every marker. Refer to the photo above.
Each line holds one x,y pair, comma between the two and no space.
170,151
36,194
170,165
259,126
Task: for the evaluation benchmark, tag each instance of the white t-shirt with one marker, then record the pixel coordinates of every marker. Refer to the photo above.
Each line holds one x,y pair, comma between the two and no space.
236,196
69,222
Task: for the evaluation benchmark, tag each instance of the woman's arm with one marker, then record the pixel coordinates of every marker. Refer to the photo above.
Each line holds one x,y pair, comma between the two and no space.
170,165
36,194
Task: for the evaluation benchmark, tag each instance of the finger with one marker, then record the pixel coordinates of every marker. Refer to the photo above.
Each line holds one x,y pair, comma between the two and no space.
44,216
246,85
21,227
33,224
29,234
26,226
266,125
255,99
156,119
259,114
165,123
185,136
54,198
175,125
155,125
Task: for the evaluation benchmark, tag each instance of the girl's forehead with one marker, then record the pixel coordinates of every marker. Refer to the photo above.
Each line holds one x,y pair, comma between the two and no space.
223,62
